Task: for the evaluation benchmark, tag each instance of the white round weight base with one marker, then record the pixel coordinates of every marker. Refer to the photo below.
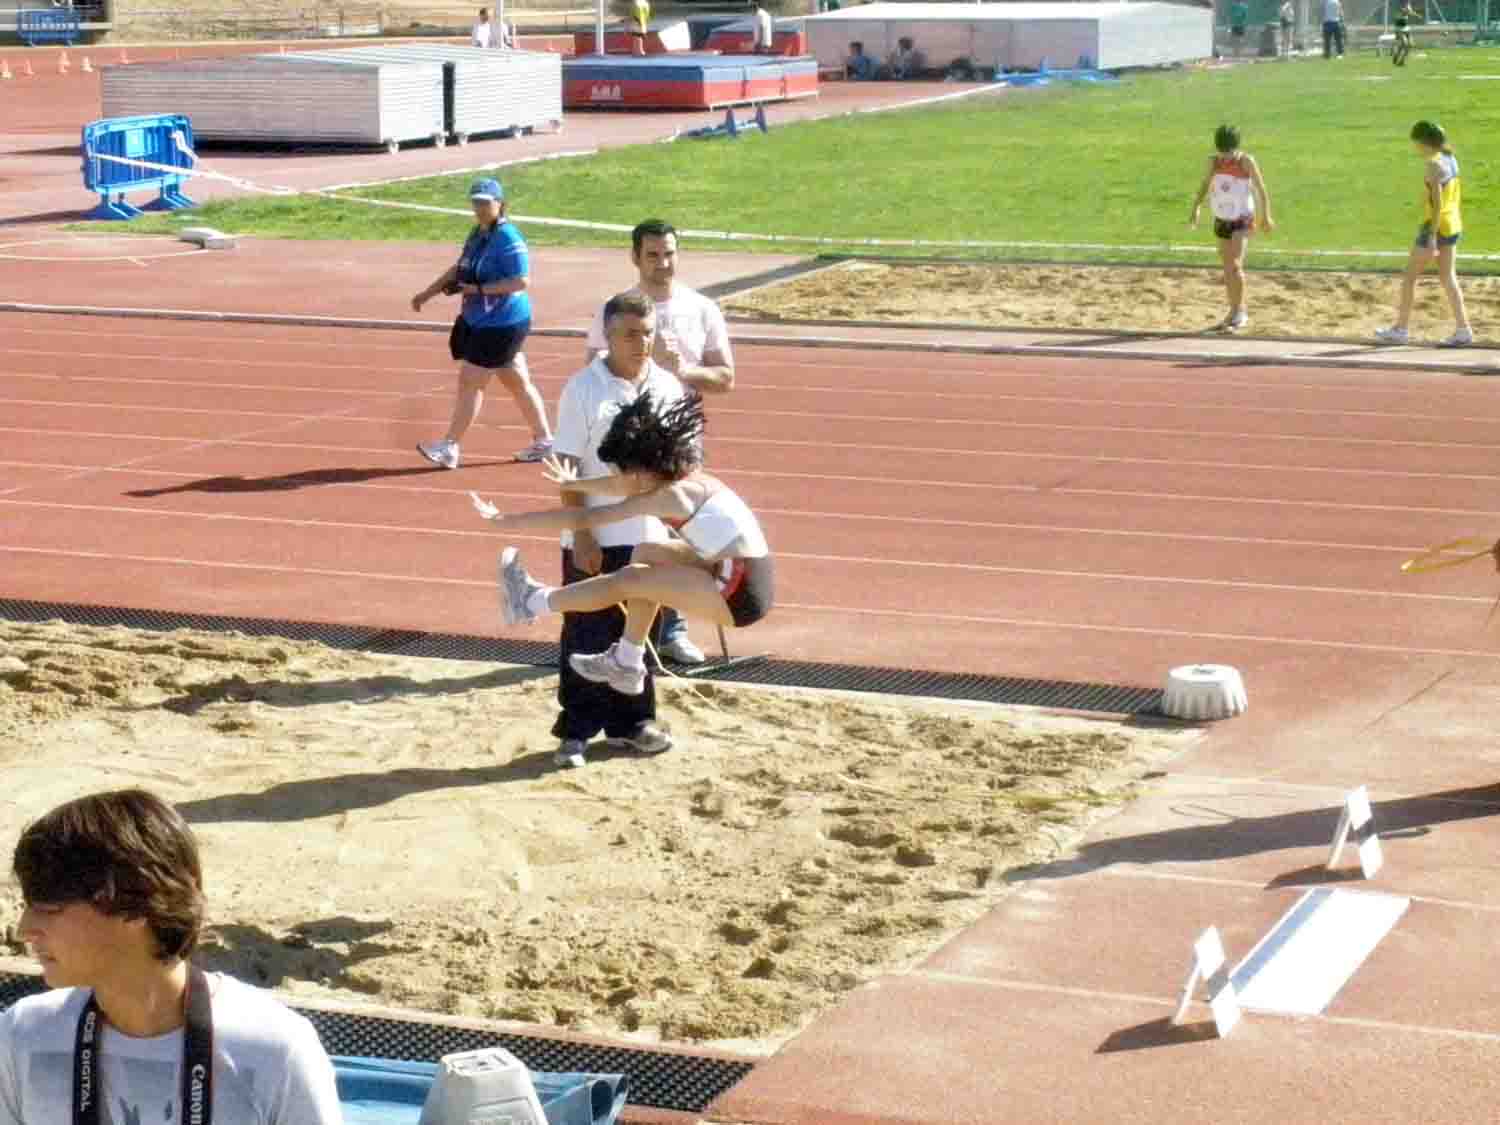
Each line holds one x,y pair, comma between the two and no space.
1204,691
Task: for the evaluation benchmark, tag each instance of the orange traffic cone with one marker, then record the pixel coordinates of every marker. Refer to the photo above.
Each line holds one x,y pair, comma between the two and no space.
4,70
88,67
124,58
29,72
62,62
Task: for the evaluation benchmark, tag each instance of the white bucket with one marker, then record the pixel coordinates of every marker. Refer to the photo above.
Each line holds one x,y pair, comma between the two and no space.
481,1087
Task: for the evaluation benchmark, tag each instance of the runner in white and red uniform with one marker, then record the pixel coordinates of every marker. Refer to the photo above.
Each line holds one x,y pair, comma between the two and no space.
1232,184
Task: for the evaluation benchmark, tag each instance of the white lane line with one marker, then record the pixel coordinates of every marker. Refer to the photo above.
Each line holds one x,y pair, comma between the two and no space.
846,560
1159,1002
1315,949
1401,550
905,482
781,390
1135,871
845,612
1135,630
990,426
870,447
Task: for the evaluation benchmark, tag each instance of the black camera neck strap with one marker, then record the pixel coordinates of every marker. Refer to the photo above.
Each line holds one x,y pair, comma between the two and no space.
197,1057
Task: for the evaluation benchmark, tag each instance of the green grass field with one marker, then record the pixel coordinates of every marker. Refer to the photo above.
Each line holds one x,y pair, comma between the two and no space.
1113,165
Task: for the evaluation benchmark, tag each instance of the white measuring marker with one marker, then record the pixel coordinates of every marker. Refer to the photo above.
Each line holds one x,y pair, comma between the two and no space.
1210,968
1314,950
1357,824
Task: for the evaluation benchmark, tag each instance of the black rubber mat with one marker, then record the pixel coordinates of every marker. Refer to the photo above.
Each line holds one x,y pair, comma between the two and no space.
658,1079
1067,695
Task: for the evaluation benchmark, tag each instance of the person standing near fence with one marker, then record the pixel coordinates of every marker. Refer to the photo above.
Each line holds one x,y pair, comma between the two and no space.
1404,15
1333,29
1437,237
642,12
483,31
692,342
493,273
763,31
1287,18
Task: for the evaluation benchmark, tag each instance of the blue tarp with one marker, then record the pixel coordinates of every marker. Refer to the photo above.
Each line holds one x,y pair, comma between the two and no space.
391,1092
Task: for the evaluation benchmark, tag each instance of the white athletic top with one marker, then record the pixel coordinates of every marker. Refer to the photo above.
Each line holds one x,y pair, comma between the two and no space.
480,36
1229,193
590,401
694,320
721,520
764,33
269,1067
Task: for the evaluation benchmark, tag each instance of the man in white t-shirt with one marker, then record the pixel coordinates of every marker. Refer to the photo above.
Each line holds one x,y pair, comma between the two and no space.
590,400
130,1033
483,33
692,342
1333,29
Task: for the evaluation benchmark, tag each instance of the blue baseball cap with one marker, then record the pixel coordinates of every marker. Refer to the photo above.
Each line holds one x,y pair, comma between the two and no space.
486,189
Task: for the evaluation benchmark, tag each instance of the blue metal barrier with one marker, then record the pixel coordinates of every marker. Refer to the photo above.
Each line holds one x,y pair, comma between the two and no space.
156,144
48,25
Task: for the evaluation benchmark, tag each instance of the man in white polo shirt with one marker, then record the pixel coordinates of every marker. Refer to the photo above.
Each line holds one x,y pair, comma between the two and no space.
590,400
692,342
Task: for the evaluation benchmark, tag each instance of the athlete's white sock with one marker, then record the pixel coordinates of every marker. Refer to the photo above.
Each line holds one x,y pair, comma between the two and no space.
539,602
628,655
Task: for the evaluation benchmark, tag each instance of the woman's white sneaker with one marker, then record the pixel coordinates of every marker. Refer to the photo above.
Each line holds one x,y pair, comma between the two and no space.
1391,335
1460,339
605,668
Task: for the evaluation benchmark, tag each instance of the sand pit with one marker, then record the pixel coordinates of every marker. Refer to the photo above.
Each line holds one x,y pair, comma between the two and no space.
1158,299
390,829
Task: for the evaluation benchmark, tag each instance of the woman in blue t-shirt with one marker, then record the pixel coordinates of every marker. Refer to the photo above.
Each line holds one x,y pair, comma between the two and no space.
492,273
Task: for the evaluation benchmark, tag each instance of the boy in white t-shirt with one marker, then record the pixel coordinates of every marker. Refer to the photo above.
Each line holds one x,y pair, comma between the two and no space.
692,342
130,1032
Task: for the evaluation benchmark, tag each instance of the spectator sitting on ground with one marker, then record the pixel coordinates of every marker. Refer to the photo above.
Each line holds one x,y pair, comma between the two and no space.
859,65
906,61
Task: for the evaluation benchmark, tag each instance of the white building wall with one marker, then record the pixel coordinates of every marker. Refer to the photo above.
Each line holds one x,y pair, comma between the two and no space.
1155,34
1019,34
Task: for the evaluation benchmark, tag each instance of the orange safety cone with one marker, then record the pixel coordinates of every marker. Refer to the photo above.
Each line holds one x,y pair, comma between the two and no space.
124,58
29,72
62,62
88,67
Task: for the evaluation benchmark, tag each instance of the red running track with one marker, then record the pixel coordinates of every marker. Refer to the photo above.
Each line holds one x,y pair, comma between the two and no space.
1072,518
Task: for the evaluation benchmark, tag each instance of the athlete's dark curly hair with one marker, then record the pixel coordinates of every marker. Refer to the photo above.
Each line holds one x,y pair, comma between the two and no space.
665,440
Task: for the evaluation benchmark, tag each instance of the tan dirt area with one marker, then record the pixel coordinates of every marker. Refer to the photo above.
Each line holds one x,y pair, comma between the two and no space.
390,830
1101,298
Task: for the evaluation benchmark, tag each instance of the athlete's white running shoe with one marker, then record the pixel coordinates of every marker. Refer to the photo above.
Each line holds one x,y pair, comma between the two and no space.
605,668
516,588
1392,335
442,453
1460,339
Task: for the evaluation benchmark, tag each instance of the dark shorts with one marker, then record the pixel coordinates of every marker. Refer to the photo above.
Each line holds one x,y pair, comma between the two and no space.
1237,31
487,347
749,591
1424,238
1228,228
